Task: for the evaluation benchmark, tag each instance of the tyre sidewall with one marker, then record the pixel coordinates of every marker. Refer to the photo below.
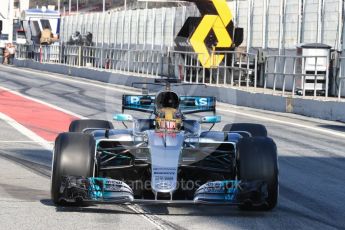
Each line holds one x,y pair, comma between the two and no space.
257,160
73,156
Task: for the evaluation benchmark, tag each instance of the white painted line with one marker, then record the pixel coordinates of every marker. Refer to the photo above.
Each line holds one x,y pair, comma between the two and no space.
87,82
24,142
27,132
137,209
43,103
320,130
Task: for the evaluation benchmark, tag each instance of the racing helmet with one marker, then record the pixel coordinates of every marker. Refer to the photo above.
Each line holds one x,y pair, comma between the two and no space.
168,116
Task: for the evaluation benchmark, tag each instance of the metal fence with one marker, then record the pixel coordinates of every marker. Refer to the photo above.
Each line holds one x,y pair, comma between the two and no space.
299,75
237,68
340,83
148,62
295,76
22,52
42,54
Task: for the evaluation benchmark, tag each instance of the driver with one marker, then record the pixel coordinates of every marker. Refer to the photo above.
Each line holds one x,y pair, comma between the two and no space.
168,116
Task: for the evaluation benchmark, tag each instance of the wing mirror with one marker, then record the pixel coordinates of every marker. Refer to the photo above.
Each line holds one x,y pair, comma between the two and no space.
123,117
211,119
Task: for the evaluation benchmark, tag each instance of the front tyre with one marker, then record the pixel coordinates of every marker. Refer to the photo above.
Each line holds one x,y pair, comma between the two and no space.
255,130
73,156
257,160
82,125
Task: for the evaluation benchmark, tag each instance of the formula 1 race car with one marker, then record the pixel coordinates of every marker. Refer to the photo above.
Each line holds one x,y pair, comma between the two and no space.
165,158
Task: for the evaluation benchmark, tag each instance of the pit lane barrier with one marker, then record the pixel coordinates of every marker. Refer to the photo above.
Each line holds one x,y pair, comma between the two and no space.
238,69
340,83
282,75
313,81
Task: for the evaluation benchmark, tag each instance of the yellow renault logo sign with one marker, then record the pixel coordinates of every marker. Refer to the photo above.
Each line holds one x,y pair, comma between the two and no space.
217,23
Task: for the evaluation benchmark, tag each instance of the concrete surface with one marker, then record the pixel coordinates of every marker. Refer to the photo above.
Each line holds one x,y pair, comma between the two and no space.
25,194
311,163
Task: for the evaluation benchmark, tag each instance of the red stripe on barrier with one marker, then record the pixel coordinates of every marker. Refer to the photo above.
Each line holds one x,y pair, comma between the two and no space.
43,120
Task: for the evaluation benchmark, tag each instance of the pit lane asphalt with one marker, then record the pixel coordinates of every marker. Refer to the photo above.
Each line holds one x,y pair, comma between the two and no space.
311,163
24,193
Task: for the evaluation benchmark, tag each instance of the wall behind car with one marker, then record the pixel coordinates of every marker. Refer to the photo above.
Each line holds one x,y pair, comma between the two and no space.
268,24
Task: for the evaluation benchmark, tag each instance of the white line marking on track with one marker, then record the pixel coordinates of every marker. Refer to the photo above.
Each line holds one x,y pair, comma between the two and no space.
320,130
87,82
24,142
27,132
137,209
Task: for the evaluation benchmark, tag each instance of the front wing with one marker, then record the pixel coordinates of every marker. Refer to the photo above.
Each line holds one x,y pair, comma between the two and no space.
104,190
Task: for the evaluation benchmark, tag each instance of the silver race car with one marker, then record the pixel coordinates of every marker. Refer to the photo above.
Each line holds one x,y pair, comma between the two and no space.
166,157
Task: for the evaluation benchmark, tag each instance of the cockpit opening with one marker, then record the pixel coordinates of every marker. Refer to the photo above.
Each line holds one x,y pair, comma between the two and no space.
167,100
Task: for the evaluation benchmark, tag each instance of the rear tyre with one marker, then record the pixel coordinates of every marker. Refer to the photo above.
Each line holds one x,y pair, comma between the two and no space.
256,130
257,160
73,156
80,125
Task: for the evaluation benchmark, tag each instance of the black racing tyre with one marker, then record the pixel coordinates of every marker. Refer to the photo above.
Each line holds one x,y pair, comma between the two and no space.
73,156
80,125
257,160
256,130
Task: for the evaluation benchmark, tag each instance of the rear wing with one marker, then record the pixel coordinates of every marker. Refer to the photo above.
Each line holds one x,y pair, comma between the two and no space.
188,104
197,104
142,103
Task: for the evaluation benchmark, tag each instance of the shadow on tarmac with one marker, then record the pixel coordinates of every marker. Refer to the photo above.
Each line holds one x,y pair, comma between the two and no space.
340,128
